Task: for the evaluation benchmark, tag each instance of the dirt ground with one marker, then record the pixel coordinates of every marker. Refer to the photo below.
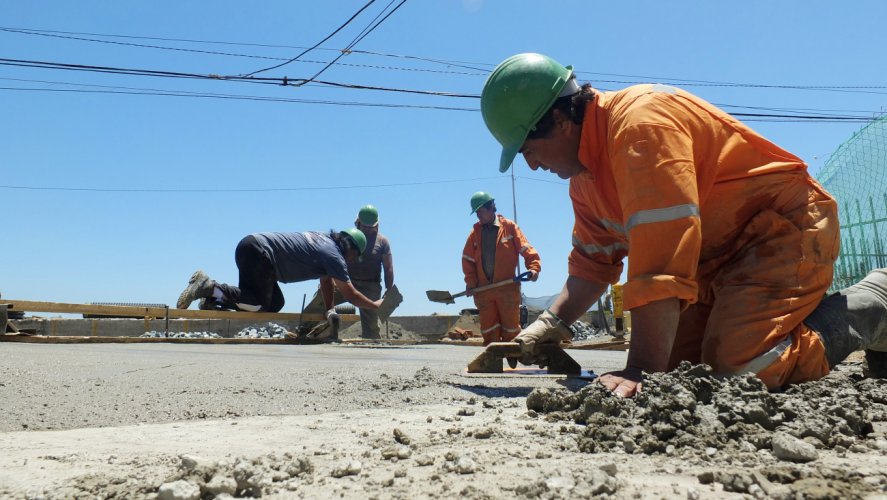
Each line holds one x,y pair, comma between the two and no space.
689,435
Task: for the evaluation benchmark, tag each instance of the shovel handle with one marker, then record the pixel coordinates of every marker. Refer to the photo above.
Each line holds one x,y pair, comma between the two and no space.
524,276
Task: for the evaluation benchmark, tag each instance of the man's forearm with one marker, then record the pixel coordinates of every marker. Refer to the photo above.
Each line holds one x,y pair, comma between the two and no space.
327,292
577,296
654,328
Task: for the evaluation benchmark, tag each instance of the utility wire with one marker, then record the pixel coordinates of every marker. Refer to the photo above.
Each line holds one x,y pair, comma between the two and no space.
254,56
317,44
360,37
51,33
267,81
243,98
173,74
484,68
244,190
153,91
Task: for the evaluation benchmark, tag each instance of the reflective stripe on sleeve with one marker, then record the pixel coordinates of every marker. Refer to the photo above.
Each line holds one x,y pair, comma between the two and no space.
468,258
613,226
590,249
662,215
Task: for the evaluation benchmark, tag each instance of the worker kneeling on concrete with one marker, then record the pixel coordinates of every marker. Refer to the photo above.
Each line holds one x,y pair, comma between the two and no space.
264,259
730,243
490,256
366,272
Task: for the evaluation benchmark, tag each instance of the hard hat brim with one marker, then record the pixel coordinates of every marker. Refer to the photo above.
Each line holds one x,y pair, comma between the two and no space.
507,157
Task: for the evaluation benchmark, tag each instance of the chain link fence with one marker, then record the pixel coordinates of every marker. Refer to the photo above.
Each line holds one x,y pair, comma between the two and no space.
856,174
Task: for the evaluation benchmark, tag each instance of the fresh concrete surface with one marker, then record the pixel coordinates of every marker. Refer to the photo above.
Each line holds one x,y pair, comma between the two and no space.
94,385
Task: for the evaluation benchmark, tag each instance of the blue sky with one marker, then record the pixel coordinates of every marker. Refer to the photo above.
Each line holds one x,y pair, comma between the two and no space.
116,195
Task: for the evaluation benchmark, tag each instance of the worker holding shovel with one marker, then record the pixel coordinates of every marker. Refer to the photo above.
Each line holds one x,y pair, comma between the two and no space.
491,256
731,244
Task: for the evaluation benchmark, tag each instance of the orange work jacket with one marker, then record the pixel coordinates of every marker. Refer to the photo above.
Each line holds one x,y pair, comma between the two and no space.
510,243
670,182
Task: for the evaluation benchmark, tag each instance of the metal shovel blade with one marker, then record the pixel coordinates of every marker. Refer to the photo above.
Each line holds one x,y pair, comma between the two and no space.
441,296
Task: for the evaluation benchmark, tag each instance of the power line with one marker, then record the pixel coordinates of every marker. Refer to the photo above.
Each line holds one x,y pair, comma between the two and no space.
360,37
243,98
243,190
749,117
54,33
486,66
867,113
174,74
318,43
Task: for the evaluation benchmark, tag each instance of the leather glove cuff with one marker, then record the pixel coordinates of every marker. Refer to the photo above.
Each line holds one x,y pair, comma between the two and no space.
547,328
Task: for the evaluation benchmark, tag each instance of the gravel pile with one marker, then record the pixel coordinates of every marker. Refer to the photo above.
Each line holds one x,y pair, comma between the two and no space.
269,331
584,331
153,334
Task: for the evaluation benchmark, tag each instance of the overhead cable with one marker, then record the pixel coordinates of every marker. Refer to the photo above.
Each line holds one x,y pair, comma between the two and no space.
360,37
315,45
246,190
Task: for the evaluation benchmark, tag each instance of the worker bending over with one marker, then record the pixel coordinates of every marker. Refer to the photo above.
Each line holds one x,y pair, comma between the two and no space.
730,242
264,259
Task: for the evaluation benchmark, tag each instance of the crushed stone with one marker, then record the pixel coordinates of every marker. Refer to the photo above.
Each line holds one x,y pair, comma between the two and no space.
585,331
269,331
180,335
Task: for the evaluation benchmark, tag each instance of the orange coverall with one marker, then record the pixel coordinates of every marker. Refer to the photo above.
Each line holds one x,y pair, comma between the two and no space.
499,307
711,213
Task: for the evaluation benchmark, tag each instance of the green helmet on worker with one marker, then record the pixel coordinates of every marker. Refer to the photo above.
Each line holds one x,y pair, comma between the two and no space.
357,237
517,94
479,199
368,216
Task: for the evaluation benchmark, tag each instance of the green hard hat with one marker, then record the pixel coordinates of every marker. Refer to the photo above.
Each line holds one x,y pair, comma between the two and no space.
478,199
368,215
516,95
357,237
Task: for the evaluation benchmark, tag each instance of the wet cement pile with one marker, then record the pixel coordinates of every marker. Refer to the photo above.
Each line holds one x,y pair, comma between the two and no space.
388,331
693,415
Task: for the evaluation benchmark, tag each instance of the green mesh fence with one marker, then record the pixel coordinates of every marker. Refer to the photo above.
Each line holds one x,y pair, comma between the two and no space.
856,174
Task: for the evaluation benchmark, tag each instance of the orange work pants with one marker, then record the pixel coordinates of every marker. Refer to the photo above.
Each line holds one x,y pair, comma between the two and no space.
499,310
753,301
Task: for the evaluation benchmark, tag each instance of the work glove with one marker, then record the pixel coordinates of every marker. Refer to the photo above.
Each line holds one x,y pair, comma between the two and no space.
547,329
329,329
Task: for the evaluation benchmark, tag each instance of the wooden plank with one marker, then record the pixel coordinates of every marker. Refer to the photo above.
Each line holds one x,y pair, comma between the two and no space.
616,345
160,312
57,339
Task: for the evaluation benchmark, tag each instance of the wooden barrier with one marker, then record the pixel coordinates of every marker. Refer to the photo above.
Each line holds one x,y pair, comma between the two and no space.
162,312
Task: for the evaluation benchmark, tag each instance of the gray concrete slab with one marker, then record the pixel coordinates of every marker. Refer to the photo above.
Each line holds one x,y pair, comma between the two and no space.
96,385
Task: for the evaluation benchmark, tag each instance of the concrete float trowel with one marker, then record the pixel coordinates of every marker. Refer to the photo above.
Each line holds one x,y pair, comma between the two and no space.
553,356
324,332
552,360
